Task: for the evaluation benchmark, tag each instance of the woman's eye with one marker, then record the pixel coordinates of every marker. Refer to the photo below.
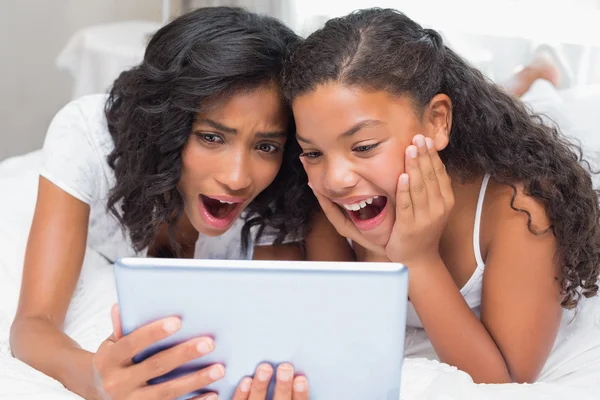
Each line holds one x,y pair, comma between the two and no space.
210,138
311,154
268,148
365,148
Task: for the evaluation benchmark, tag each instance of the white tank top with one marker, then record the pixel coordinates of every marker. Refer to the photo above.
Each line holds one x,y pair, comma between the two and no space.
471,291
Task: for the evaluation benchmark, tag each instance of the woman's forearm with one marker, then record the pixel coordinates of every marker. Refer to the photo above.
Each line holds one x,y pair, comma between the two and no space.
39,343
457,335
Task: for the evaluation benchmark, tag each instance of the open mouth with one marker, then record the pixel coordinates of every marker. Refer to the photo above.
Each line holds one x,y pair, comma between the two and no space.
368,213
219,213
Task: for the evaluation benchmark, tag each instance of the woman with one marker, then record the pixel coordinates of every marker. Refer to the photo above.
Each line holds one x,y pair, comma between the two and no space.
418,159
188,156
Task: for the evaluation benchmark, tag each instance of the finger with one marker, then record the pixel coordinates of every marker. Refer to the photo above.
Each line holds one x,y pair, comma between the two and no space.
260,383
404,208
243,390
300,388
115,316
128,346
443,178
183,385
170,359
207,396
427,171
284,382
418,191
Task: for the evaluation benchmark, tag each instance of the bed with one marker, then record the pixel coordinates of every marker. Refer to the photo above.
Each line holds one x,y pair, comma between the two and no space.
88,319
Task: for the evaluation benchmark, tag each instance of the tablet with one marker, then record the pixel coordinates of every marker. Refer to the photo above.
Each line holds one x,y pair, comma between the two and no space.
341,324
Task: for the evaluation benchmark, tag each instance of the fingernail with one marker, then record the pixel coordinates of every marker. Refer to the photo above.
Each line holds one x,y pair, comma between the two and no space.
205,346
216,372
412,151
429,143
172,325
285,372
404,179
420,140
245,385
212,397
263,374
300,385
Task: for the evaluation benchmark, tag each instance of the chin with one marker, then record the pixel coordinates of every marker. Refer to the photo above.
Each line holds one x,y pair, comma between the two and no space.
378,238
209,231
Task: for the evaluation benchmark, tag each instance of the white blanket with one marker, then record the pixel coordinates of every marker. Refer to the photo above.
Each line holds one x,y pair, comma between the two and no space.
88,319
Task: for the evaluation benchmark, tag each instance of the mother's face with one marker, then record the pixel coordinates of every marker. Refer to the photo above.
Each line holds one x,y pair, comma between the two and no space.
234,152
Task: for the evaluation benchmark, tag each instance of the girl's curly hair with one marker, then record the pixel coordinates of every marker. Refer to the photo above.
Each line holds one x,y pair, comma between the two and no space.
492,133
195,61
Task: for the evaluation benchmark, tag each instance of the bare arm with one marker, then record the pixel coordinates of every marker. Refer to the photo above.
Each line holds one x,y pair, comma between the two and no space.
520,312
53,261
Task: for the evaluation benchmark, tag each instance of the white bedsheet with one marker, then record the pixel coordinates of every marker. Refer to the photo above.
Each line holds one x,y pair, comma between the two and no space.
88,319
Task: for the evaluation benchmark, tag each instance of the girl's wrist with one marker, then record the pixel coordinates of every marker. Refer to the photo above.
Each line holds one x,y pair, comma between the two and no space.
426,260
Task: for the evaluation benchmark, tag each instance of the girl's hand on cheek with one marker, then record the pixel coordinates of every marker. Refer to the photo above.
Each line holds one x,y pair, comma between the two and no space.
424,200
343,225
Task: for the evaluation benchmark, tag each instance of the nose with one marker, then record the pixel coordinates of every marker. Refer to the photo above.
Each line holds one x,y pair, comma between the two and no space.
339,176
236,174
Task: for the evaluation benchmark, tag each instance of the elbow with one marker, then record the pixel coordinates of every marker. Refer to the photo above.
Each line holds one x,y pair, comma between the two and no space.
525,370
493,379
524,376
13,339
506,375
20,335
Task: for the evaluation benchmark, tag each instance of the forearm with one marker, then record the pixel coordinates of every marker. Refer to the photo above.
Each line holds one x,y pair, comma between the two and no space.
457,335
43,346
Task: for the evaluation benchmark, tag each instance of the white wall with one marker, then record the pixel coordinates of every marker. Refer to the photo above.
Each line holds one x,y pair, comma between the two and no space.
32,33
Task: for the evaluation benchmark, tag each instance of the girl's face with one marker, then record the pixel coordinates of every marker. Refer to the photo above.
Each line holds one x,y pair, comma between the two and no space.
354,143
234,153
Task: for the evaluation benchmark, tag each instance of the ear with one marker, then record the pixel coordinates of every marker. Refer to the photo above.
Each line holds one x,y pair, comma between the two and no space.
439,119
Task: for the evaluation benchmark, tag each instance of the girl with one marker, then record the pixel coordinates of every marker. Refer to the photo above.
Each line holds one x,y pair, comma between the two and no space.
418,159
188,157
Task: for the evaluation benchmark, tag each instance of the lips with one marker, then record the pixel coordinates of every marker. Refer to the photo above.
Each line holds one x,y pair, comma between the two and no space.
366,212
219,212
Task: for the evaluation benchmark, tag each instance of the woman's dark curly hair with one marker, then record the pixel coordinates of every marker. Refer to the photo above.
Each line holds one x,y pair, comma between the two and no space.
492,133
195,61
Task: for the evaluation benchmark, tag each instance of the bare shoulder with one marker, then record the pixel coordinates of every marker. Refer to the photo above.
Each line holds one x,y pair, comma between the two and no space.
506,204
515,220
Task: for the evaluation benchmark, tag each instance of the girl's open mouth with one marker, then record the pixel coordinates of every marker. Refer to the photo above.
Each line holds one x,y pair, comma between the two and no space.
368,213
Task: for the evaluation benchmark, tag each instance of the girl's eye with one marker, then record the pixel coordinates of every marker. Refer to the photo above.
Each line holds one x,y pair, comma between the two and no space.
311,154
210,138
268,148
365,148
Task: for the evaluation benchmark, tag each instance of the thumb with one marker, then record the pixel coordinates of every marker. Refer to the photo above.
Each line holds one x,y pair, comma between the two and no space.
115,315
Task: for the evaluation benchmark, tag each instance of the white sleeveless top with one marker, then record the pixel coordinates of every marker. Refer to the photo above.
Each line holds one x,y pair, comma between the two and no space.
471,291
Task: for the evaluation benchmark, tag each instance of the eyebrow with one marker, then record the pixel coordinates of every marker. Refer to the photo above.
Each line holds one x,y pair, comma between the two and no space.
362,124
220,127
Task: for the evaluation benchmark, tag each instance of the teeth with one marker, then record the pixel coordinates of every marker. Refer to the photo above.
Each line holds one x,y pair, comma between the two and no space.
226,202
359,205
